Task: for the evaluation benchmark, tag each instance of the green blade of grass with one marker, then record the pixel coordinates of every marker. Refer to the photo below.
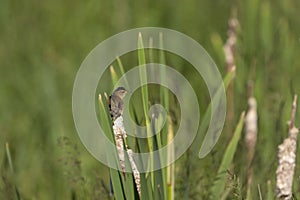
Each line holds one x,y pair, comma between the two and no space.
143,82
164,96
116,183
164,99
220,182
9,159
150,187
114,76
171,168
145,192
144,88
12,170
270,194
159,185
128,182
143,76
162,60
106,123
206,119
121,67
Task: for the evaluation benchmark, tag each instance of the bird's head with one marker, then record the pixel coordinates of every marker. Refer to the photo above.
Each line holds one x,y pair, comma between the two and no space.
120,92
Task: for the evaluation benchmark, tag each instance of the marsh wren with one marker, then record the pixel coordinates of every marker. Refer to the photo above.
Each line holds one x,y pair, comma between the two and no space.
116,102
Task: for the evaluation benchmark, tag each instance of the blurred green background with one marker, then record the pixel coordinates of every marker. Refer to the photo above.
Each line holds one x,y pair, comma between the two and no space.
42,44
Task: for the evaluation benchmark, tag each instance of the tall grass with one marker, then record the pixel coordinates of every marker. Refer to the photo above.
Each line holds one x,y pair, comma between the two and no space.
42,46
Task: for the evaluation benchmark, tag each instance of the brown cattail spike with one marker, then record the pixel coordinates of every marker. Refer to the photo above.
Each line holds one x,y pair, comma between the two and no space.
287,159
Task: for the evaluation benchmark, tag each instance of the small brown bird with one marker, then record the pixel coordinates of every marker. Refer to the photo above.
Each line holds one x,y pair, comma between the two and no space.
116,102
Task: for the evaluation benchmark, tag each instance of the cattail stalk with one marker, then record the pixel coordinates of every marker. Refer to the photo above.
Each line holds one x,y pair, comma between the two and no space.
229,47
120,138
287,159
136,173
119,133
250,139
229,51
251,128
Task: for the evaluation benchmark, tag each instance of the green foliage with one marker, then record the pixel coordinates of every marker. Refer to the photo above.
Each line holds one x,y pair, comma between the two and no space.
42,45
221,178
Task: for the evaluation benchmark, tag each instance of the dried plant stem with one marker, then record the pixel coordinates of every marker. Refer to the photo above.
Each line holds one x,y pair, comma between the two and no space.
120,137
119,134
287,159
229,50
229,47
259,192
250,139
136,173
251,128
